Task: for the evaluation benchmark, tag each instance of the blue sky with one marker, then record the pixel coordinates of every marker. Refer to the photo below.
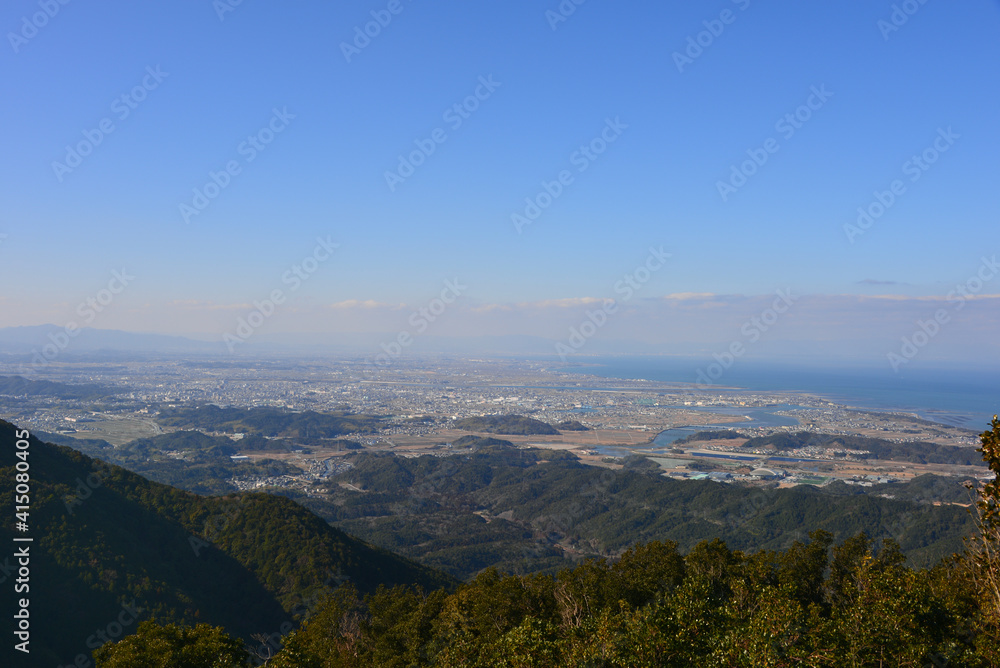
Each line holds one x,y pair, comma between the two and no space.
892,94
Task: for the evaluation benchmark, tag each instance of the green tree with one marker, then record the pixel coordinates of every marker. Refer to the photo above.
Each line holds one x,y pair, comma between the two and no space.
173,646
983,555
331,638
647,571
802,568
534,643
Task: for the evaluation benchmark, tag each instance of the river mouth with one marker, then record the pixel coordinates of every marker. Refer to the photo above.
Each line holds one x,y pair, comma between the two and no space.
756,417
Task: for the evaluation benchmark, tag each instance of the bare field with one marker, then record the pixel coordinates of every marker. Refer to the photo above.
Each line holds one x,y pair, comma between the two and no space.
118,431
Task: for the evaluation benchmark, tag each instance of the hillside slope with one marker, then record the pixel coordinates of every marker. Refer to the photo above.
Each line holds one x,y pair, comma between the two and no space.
107,541
512,509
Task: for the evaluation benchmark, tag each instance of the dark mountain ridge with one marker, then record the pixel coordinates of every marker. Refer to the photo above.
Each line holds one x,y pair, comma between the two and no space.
106,539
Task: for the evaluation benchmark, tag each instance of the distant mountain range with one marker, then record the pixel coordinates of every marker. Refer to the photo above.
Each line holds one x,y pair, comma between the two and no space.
34,339
17,386
29,342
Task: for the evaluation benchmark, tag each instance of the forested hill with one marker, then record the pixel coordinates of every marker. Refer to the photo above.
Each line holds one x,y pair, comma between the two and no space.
865,448
105,538
18,386
514,425
524,510
272,422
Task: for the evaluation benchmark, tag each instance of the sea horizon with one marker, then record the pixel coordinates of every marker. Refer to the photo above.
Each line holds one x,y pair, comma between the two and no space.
958,396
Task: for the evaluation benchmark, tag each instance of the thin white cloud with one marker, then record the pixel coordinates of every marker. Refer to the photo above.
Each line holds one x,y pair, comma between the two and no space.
364,304
569,302
202,305
685,296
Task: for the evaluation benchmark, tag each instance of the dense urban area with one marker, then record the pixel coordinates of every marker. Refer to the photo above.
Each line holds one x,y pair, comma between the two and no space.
420,401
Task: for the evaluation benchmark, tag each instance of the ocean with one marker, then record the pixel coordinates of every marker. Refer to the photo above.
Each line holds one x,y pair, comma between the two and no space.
961,397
